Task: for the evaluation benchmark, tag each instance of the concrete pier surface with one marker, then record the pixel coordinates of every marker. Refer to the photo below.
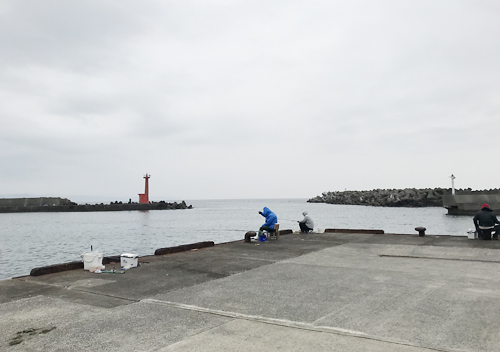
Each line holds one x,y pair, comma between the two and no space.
311,292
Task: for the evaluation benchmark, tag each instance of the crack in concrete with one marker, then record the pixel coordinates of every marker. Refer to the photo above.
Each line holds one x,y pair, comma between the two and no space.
440,258
70,288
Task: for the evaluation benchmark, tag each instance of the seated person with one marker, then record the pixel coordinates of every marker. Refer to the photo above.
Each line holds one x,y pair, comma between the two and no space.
271,219
307,224
485,219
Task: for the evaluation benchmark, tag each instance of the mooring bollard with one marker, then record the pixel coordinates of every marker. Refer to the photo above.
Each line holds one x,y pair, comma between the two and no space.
249,235
421,231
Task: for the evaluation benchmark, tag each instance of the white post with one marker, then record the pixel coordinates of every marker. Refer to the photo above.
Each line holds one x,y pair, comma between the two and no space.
452,184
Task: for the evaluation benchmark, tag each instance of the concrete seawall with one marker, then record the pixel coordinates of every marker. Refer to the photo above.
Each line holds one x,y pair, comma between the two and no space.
34,202
469,204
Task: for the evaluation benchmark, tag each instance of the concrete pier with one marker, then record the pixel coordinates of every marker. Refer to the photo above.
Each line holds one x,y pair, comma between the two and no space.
312,292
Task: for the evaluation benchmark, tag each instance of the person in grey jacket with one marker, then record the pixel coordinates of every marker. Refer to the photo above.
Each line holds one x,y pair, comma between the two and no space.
307,224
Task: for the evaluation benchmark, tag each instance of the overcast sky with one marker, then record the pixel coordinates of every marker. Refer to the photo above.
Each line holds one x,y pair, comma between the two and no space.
247,99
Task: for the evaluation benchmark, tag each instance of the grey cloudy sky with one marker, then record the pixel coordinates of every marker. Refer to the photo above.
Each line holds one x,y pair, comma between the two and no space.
247,99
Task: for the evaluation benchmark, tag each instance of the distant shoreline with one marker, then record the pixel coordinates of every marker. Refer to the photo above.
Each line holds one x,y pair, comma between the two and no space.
50,205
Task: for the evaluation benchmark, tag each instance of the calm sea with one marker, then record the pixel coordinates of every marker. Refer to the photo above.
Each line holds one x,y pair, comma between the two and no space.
29,240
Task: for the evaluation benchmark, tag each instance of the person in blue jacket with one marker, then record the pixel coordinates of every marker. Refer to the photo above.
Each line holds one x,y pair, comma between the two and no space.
271,219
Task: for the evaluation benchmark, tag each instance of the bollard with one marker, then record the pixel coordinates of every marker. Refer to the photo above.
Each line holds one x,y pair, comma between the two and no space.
249,235
421,231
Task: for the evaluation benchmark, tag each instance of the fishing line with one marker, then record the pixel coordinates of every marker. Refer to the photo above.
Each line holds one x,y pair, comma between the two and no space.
222,229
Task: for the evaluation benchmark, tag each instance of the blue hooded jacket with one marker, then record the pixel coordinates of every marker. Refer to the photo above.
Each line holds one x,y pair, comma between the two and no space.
271,218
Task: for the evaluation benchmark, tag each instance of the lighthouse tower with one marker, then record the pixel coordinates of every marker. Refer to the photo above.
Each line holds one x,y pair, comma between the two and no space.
452,184
144,198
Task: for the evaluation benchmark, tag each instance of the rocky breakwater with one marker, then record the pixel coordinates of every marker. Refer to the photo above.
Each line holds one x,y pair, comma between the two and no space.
74,207
408,197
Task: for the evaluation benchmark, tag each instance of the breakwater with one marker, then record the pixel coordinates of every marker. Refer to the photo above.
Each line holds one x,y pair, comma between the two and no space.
73,207
469,202
408,197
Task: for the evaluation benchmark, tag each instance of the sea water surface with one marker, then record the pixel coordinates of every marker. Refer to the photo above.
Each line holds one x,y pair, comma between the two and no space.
29,240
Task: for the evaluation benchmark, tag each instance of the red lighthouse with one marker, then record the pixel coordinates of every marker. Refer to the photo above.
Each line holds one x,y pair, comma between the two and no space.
144,198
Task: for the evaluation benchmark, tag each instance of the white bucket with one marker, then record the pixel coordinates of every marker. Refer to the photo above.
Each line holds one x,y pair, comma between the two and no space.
92,259
471,234
321,230
128,260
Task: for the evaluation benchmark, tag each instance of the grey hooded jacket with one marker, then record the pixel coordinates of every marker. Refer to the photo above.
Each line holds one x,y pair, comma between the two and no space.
307,220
